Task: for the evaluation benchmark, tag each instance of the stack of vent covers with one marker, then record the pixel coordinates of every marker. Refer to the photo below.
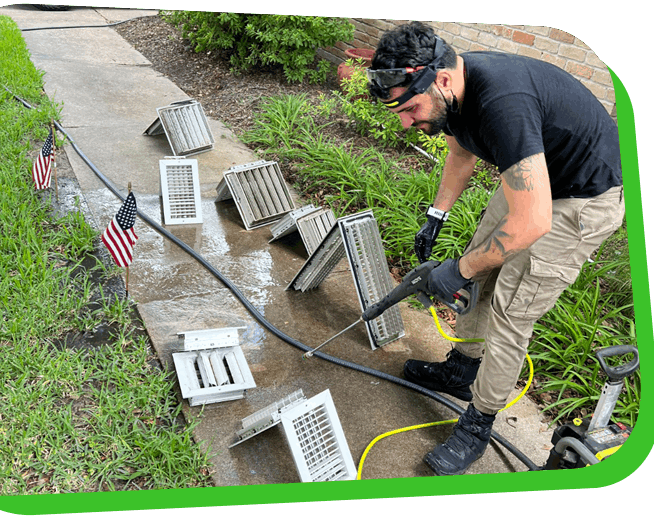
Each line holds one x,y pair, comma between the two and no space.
212,367
356,237
313,432
259,191
185,126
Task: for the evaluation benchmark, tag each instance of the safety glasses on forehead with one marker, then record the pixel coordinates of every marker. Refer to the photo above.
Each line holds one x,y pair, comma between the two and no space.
388,78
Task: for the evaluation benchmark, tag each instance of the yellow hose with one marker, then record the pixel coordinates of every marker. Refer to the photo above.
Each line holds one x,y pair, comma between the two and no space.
448,421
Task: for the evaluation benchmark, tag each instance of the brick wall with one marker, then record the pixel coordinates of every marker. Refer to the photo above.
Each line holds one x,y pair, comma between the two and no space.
552,45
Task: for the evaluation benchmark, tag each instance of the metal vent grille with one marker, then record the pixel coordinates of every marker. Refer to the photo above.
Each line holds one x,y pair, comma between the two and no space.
210,338
288,223
317,441
259,191
180,191
267,417
320,263
186,127
357,237
314,227
313,432
312,223
211,375
365,252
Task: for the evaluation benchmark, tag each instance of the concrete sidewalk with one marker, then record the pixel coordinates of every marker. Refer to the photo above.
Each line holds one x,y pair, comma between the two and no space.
110,94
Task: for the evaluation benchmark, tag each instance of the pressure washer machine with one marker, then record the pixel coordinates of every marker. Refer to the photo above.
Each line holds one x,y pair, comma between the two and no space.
588,441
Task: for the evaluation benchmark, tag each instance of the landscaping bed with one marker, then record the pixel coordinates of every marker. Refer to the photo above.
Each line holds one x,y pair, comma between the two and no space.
333,162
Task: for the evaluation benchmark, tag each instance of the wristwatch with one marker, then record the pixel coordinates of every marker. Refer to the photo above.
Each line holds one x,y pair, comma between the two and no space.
439,214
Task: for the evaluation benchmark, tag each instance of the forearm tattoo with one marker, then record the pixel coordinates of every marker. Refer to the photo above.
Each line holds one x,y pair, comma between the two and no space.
495,243
520,176
494,239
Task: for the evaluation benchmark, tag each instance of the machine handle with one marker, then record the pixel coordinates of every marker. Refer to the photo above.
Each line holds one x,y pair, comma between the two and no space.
620,372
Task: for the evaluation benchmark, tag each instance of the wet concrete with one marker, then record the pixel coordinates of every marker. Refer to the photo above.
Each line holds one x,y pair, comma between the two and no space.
110,94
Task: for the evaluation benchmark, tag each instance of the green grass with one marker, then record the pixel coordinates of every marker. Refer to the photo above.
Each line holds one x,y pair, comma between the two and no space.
99,417
595,312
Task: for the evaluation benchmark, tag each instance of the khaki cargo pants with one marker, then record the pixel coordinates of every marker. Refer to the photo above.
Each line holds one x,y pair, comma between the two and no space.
513,297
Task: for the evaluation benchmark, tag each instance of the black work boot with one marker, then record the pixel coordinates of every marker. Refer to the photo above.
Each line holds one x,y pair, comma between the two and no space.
465,445
453,376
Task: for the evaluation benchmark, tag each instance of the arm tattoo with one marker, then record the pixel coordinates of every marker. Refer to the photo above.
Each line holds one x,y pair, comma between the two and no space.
494,238
520,176
494,243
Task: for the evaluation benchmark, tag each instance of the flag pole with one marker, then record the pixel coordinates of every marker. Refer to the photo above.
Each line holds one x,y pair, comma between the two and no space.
54,158
129,190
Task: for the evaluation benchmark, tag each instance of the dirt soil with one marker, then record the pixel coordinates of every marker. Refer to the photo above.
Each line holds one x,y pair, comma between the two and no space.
206,76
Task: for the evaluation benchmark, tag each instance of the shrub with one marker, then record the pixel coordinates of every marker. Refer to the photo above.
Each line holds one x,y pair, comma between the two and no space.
372,118
263,39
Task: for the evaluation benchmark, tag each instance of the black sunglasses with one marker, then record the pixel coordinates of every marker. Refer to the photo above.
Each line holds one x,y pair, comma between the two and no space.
388,78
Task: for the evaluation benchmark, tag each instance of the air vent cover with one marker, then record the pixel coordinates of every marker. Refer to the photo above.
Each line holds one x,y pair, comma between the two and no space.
356,237
313,432
259,191
180,190
267,417
317,441
314,227
312,223
212,375
185,126
288,223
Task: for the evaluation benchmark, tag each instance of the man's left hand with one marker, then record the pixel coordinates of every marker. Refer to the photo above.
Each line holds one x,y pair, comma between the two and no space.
445,280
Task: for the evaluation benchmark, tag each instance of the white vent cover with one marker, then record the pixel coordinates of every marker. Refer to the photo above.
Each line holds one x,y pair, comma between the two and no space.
314,227
357,237
211,375
314,434
259,191
185,126
288,223
312,223
267,417
180,190
210,338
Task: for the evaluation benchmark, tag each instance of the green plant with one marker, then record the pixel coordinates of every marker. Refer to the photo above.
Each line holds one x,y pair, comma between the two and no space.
373,118
369,117
585,318
255,40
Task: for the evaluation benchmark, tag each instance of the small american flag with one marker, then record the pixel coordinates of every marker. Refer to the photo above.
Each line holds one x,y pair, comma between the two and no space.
119,237
42,168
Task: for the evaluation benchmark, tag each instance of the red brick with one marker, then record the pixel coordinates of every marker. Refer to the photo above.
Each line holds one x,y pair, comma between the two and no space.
503,31
524,38
579,70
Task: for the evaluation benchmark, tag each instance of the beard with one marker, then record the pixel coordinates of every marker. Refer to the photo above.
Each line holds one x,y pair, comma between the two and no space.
434,126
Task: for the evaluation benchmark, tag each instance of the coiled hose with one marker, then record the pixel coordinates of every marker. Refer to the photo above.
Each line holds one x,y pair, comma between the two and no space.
269,326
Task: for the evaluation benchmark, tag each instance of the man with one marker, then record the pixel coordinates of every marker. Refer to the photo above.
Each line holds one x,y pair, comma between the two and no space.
560,197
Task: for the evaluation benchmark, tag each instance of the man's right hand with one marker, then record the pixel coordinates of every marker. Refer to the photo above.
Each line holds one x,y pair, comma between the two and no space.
425,238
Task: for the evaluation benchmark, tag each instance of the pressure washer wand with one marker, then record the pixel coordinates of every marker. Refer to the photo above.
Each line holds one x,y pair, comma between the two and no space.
413,283
310,353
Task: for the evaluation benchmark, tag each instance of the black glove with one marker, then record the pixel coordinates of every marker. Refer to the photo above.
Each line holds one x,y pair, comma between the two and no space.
445,280
428,233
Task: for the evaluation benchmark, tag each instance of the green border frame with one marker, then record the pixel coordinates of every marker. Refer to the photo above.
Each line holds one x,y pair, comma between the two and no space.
609,472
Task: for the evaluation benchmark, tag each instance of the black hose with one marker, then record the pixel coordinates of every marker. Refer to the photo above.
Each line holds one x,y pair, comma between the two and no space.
274,330
80,26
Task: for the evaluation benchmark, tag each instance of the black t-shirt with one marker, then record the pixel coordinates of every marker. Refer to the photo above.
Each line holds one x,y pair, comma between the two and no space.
515,107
